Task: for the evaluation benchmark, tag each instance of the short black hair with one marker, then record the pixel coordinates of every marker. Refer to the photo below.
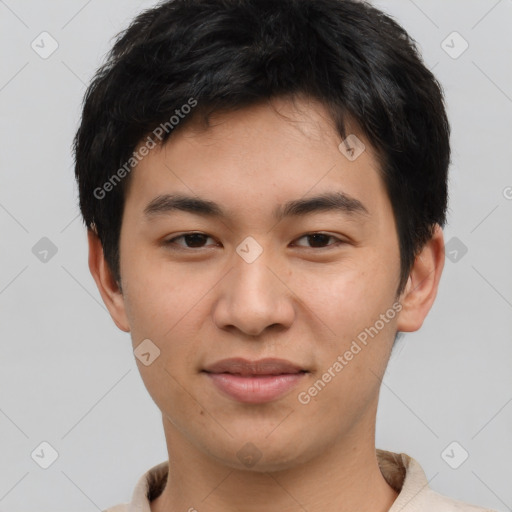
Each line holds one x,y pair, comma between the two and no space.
221,55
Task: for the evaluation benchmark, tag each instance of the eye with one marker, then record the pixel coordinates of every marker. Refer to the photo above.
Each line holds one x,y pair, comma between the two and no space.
320,240
197,241
192,240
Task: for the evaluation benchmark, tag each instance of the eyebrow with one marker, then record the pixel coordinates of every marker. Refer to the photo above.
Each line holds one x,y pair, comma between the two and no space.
327,202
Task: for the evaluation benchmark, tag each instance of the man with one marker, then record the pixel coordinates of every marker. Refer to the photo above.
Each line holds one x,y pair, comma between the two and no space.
264,185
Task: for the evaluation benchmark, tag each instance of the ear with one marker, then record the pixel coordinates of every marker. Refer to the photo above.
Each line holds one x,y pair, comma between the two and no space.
107,286
421,288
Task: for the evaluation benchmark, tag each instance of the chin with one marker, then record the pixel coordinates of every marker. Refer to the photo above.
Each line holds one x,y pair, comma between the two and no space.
262,455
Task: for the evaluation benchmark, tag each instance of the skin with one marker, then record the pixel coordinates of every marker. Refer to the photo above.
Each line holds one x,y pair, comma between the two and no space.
297,301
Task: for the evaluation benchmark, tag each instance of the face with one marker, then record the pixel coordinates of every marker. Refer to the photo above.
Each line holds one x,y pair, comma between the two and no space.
253,267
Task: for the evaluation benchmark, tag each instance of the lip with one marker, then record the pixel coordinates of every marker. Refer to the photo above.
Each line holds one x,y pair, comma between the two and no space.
254,381
241,366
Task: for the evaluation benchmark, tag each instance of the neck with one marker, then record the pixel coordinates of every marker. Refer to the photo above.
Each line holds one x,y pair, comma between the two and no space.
344,478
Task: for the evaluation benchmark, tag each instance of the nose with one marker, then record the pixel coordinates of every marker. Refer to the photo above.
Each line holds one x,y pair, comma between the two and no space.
253,297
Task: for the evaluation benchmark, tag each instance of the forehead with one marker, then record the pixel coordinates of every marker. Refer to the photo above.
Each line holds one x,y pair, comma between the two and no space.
259,157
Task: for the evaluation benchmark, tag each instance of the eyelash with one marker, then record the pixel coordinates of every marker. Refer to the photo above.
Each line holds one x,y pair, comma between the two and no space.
171,242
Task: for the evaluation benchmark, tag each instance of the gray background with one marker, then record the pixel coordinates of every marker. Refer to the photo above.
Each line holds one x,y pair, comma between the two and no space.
68,376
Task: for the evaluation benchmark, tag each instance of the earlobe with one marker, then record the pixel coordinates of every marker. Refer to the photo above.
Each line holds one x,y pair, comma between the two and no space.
423,283
107,286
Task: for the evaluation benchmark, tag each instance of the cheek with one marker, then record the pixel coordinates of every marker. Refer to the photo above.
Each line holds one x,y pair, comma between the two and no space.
157,295
158,308
350,296
350,303
169,308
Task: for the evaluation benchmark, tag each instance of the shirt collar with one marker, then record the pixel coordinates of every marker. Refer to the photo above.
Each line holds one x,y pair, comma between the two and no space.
402,472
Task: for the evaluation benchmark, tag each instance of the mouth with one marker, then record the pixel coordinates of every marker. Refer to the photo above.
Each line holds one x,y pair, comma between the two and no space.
262,367
259,381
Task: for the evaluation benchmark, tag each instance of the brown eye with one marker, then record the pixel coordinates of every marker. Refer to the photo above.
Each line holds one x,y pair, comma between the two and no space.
320,240
192,240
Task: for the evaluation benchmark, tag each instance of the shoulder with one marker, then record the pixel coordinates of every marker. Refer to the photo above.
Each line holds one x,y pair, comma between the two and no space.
147,488
407,477
431,500
123,507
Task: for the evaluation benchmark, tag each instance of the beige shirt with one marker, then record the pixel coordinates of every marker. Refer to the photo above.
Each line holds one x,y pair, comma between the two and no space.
402,472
